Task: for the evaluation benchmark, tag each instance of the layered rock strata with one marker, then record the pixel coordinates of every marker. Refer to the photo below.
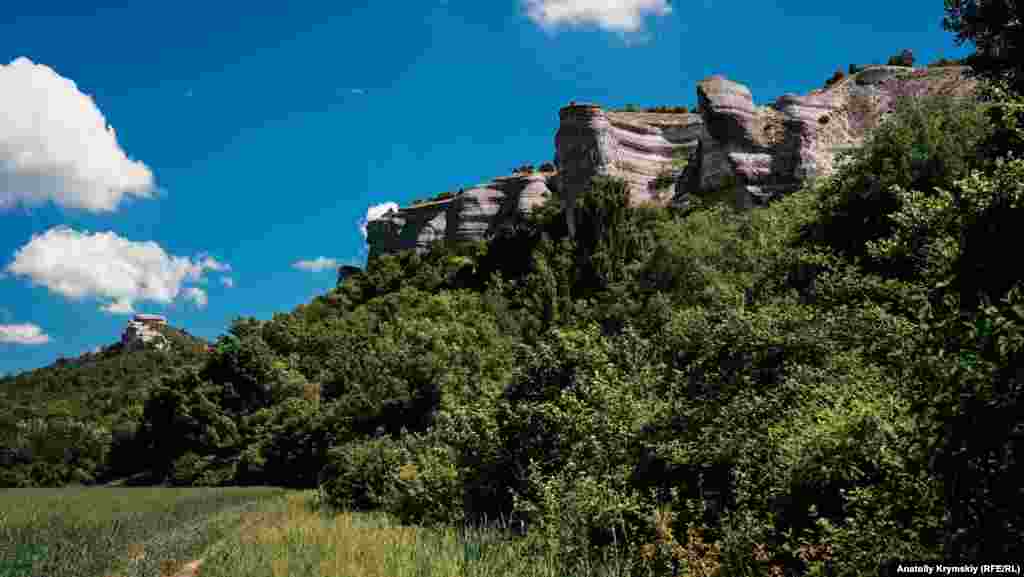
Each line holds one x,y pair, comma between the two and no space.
753,154
750,154
473,214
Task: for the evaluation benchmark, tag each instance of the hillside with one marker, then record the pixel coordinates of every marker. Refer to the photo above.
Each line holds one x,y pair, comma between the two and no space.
100,391
823,380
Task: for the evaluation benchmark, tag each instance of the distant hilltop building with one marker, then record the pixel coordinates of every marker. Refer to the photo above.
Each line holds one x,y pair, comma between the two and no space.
143,330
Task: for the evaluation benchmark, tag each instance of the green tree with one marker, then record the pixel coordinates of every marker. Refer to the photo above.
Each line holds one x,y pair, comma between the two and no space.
996,28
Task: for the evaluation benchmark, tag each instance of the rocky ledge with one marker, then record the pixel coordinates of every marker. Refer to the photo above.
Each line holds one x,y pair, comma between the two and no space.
749,153
473,214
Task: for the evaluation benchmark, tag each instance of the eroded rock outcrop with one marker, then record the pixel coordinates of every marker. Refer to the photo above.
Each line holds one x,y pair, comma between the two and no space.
473,214
753,154
747,153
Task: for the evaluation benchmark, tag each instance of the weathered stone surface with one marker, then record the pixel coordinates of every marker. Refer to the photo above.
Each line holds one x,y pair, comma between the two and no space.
474,214
144,331
728,111
763,152
637,147
750,153
414,227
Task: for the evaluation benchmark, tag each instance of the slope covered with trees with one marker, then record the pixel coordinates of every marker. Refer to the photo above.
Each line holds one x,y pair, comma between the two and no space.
66,422
832,381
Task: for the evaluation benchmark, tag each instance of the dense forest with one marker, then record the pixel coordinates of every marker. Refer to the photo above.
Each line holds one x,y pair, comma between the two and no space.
828,383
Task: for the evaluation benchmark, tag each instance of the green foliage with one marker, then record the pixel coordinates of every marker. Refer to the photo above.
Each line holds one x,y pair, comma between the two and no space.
793,388
927,143
59,422
994,27
362,475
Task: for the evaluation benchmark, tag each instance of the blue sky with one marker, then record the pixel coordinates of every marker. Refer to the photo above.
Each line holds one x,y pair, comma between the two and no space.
245,149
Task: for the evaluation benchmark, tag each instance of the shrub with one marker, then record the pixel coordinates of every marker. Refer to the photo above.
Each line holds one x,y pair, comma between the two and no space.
547,167
855,68
835,77
630,108
362,475
927,143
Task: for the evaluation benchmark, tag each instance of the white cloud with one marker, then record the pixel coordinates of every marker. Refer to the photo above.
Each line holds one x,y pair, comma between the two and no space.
357,91
103,265
23,334
374,212
227,281
316,265
617,15
196,295
55,145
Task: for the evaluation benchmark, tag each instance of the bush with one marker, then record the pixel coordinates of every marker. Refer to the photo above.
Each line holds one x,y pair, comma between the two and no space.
362,475
835,77
927,143
855,68
547,167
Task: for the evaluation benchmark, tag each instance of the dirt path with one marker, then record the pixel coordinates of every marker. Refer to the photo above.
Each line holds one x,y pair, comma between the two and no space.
191,569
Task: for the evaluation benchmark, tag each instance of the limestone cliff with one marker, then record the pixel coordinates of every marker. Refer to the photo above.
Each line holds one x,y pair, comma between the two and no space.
749,153
755,153
473,214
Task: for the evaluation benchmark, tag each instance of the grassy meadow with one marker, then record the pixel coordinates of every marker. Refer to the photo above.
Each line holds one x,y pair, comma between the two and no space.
251,532
94,532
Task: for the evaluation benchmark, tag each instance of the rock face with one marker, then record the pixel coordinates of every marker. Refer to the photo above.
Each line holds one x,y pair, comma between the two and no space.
144,331
473,214
635,146
753,154
748,153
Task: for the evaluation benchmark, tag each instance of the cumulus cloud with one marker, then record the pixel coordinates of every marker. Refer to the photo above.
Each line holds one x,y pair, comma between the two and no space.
619,16
23,334
374,212
196,295
102,265
55,145
357,91
316,265
227,281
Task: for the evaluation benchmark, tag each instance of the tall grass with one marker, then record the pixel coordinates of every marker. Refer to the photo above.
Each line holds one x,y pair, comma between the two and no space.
93,531
298,538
